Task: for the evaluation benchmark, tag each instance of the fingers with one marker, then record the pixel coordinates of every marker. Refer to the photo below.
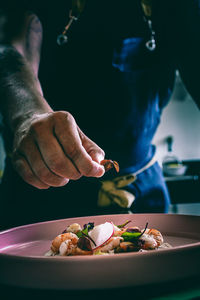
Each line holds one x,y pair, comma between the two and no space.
30,151
95,152
52,150
24,170
55,158
73,144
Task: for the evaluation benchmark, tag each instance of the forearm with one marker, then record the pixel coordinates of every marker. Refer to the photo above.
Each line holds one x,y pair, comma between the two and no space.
20,92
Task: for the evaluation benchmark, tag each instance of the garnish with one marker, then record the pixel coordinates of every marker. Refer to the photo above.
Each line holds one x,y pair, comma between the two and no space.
84,233
129,236
109,164
133,235
124,224
144,229
133,230
87,227
105,239
101,234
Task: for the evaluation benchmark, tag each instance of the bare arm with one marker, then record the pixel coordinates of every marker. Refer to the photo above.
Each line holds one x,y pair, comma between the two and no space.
21,93
49,147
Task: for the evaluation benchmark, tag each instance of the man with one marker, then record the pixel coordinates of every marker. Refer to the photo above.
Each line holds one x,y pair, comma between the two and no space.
103,89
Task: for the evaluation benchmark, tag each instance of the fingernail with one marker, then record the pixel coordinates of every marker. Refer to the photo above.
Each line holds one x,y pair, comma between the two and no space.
64,182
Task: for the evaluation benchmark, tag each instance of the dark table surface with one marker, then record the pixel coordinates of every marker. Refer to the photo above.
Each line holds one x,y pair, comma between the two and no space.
187,288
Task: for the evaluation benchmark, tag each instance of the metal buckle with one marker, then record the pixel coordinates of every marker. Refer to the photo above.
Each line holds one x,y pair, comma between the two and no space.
62,38
151,44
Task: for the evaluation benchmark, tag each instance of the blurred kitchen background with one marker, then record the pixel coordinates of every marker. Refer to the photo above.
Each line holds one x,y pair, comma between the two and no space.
178,150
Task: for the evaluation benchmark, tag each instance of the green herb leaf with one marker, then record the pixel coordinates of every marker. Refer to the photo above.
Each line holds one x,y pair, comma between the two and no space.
124,224
129,236
144,229
79,233
84,232
87,227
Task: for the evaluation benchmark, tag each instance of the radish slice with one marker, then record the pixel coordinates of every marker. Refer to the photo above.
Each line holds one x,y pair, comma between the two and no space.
101,234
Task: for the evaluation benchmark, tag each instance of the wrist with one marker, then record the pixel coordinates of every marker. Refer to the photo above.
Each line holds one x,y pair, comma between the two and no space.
27,111
28,118
24,124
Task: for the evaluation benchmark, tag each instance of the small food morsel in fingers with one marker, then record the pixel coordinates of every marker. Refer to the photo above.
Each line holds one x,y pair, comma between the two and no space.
105,239
109,164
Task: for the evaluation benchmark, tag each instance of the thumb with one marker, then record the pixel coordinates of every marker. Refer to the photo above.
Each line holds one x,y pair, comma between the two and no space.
96,153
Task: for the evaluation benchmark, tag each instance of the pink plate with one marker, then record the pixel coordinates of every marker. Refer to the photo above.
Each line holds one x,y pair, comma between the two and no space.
23,264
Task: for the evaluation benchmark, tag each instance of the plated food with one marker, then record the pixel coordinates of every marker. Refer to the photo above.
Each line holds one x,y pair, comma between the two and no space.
105,239
24,264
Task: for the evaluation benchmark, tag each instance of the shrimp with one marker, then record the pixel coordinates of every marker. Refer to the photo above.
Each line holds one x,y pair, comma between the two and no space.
148,242
152,239
67,248
74,228
111,244
156,235
70,240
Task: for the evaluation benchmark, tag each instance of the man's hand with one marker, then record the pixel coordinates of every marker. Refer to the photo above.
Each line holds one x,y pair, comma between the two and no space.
50,149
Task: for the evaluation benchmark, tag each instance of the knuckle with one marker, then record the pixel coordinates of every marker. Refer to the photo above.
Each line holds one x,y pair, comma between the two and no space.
97,152
36,127
64,115
101,152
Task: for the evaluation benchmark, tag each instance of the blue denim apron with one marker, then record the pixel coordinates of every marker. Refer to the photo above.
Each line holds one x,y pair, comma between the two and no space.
141,79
